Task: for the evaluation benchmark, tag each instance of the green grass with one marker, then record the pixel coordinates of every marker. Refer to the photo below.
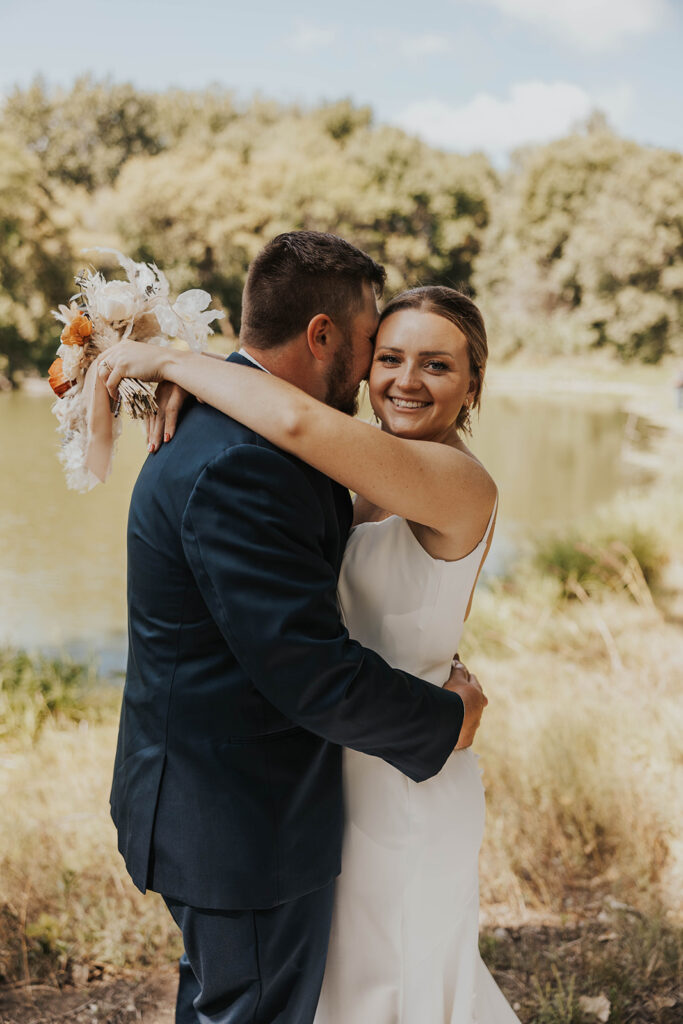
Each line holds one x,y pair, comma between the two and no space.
37,690
619,548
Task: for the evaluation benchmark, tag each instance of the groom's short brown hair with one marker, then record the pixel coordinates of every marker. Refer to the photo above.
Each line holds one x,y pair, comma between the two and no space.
298,275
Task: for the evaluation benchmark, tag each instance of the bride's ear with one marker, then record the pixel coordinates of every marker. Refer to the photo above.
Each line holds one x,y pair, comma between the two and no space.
318,337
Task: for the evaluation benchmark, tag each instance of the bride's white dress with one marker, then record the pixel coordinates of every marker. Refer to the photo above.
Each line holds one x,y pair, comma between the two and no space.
403,947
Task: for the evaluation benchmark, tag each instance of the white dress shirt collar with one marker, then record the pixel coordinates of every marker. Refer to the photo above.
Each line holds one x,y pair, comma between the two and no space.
243,352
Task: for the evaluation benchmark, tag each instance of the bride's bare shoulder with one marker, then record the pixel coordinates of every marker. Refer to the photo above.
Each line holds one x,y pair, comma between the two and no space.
466,530
460,446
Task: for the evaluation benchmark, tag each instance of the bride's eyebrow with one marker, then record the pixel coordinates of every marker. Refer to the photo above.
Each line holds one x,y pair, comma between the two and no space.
428,352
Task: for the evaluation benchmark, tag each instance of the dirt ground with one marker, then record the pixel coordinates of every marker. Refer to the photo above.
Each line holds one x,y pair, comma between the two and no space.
125,1000
622,964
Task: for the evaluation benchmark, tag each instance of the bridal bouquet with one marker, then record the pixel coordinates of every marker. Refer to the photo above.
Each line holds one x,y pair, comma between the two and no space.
101,314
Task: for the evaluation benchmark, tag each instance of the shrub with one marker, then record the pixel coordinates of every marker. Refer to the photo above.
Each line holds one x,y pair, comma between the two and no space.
615,549
35,690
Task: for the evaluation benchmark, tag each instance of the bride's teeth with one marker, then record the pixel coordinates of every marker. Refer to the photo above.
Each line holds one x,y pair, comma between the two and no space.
403,403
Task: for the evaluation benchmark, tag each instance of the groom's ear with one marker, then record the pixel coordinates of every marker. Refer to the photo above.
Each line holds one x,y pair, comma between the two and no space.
318,336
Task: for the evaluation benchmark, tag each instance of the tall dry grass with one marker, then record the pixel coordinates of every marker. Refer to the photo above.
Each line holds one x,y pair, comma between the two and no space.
581,743
65,897
582,759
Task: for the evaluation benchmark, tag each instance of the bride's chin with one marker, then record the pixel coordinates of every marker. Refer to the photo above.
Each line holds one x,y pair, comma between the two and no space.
393,423
411,433
400,426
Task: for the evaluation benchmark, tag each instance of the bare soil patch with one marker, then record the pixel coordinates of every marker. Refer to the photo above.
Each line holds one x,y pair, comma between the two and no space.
148,998
626,963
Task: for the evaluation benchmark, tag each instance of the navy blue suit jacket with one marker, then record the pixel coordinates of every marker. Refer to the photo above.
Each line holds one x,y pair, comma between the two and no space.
242,683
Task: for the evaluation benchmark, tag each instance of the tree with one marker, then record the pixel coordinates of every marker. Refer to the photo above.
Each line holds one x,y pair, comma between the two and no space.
35,262
82,136
625,258
584,248
212,208
579,246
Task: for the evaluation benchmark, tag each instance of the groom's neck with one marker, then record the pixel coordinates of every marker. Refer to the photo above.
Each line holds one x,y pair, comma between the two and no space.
294,363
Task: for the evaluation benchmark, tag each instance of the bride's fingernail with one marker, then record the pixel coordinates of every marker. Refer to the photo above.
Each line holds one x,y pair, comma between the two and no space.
167,437
150,447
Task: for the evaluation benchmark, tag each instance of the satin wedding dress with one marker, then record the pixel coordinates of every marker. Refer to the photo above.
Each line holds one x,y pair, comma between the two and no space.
404,941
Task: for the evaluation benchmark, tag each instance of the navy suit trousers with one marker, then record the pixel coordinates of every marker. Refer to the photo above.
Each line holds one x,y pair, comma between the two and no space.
253,966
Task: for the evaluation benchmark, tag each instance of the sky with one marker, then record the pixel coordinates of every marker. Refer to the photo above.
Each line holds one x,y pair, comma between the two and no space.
462,74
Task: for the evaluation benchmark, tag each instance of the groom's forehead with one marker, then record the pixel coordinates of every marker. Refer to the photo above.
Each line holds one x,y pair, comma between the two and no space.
369,320
370,308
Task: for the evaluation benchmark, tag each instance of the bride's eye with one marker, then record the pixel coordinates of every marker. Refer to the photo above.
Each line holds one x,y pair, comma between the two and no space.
436,364
387,358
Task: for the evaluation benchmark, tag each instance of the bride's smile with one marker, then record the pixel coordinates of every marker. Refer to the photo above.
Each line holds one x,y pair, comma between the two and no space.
418,392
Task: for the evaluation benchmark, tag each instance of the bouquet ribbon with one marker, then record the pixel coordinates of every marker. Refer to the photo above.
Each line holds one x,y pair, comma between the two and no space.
100,424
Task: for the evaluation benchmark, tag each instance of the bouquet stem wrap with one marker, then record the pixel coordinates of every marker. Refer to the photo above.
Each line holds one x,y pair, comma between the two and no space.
100,424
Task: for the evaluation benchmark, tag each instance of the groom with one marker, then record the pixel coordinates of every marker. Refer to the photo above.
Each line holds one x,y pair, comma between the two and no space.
242,683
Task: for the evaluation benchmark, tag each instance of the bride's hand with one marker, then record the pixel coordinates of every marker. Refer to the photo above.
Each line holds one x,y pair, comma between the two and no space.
131,359
170,399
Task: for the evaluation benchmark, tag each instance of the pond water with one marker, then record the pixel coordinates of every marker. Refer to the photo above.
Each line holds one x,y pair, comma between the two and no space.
62,567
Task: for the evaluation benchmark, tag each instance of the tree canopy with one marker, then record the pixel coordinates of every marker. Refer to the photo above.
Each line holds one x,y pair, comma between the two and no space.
585,248
578,245
35,260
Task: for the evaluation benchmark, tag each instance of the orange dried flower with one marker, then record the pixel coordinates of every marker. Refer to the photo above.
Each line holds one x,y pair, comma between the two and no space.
78,331
58,382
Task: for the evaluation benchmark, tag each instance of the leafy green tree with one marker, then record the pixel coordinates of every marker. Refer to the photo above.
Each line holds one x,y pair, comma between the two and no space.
578,247
83,135
585,248
625,258
420,212
35,262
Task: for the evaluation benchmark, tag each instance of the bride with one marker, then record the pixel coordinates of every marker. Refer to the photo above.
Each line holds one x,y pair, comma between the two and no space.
404,940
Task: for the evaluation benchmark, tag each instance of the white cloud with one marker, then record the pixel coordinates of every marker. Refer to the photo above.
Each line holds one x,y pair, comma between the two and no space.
307,37
590,24
426,45
532,112
618,102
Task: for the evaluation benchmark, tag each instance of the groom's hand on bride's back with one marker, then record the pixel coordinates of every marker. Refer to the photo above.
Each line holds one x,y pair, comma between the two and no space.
468,688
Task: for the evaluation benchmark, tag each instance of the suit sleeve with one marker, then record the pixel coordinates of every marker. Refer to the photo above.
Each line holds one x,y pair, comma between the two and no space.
253,534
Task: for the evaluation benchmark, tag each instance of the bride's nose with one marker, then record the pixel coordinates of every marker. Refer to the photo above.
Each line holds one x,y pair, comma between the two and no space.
408,378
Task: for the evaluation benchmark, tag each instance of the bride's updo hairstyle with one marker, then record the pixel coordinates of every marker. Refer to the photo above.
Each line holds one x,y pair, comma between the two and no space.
461,311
